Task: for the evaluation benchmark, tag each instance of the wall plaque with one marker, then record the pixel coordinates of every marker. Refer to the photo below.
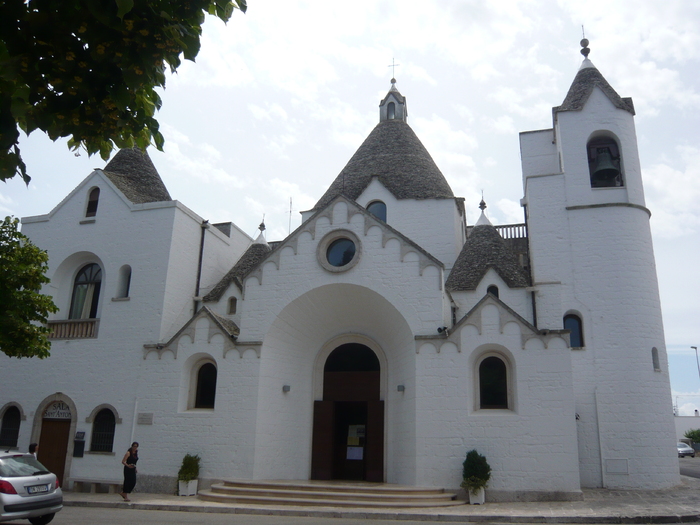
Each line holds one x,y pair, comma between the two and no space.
144,418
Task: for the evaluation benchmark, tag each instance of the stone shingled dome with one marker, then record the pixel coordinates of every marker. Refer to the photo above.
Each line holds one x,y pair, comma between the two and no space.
484,249
393,153
133,172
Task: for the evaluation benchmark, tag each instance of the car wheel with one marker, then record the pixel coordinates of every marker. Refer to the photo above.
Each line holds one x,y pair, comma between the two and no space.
41,520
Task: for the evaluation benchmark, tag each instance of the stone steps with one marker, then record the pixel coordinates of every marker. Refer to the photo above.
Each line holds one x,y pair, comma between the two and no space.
327,494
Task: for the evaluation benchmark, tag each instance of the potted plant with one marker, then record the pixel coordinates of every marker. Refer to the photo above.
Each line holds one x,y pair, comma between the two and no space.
476,473
187,475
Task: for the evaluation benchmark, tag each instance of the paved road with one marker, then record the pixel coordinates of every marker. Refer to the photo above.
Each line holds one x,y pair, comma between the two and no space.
690,466
111,516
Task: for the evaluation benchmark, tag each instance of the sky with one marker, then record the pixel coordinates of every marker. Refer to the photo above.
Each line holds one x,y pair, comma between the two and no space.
281,97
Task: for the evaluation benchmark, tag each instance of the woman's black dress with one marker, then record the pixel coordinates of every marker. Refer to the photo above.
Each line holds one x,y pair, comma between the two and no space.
130,474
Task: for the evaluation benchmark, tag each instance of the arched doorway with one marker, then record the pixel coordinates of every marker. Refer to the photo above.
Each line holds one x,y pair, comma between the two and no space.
348,432
54,437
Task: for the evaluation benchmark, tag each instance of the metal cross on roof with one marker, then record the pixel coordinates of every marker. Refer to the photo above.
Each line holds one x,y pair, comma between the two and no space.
393,68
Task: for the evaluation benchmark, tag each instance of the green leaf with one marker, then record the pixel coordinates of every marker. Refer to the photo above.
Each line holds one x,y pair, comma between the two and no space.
123,7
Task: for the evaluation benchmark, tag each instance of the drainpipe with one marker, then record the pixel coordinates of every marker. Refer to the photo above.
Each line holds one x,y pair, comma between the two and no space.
529,267
205,227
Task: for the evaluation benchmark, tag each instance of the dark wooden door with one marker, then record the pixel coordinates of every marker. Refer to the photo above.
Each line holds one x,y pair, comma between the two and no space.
322,447
374,460
53,445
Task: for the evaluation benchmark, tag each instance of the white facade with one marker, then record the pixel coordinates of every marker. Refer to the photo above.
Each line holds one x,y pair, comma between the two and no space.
427,340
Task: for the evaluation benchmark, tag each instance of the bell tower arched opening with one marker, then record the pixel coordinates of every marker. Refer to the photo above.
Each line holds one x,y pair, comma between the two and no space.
348,433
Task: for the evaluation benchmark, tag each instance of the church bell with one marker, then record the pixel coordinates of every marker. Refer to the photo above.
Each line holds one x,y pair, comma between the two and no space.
605,172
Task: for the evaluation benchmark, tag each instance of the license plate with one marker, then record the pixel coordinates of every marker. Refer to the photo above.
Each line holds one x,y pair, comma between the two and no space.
37,489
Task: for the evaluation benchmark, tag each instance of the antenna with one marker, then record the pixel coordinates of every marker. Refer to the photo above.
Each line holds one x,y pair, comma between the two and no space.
290,216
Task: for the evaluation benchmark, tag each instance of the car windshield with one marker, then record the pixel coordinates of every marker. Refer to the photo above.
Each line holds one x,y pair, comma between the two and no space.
20,465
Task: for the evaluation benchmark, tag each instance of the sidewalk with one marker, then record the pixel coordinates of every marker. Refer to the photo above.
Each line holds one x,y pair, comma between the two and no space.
680,504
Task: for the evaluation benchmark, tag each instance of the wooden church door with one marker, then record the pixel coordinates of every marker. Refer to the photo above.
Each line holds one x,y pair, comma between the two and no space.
348,425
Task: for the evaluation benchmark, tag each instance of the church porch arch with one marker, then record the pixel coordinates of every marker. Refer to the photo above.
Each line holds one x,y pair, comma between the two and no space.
293,355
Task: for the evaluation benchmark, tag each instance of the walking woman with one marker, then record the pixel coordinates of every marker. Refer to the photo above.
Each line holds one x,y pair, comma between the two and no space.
129,461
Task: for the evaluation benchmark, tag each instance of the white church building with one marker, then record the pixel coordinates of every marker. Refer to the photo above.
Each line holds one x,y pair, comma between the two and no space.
380,341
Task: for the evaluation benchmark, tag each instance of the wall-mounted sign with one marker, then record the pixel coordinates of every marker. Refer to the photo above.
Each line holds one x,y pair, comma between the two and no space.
57,410
80,435
144,418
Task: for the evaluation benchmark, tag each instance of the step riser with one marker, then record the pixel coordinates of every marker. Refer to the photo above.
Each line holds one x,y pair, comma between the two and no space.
330,496
314,488
322,503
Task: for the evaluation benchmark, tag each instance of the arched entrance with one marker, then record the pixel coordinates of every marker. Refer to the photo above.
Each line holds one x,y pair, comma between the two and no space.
54,437
348,432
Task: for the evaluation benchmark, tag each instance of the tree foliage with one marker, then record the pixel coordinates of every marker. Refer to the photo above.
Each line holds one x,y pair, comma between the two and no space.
23,309
693,434
88,69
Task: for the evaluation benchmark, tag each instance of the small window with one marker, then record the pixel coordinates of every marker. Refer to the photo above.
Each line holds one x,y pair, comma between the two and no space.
93,200
493,383
573,323
206,386
103,431
232,304
378,209
391,111
604,163
86,292
124,281
493,290
9,431
655,359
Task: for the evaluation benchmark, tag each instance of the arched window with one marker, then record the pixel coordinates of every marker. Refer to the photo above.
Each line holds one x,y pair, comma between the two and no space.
391,111
378,209
103,431
93,200
124,281
493,290
232,305
575,325
9,431
604,163
86,293
206,386
493,383
655,359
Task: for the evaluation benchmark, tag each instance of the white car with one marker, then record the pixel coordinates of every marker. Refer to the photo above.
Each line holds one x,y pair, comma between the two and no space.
27,489
685,450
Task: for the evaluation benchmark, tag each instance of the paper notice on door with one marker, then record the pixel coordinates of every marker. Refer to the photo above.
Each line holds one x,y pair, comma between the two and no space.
355,453
353,441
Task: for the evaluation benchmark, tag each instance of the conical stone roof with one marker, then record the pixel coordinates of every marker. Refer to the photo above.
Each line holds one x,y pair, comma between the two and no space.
587,78
484,249
393,153
132,171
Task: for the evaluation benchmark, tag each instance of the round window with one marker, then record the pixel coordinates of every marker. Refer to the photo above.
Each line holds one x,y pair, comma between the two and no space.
340,252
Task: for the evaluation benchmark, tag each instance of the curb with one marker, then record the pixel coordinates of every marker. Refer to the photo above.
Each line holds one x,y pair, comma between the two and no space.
364,514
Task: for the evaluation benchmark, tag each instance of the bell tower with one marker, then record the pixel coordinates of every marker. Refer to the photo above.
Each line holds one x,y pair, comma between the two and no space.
594,273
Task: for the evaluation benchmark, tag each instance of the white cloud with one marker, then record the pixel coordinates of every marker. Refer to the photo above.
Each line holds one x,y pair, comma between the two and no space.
675,213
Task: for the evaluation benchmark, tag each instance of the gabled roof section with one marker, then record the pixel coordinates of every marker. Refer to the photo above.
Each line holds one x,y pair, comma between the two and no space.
393,153
309,226
484,249
254,254
587,78
133,173
225,326
492,299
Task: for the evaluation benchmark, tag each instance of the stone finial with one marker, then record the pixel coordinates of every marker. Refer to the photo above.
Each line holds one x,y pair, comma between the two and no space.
584,45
